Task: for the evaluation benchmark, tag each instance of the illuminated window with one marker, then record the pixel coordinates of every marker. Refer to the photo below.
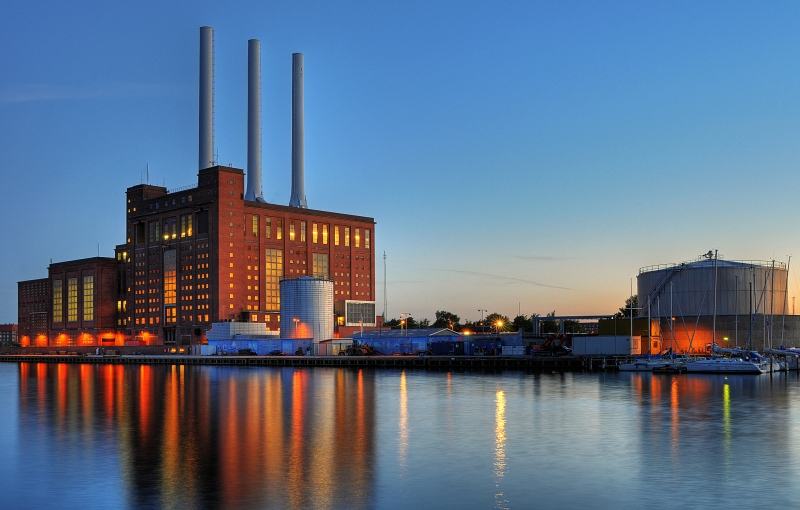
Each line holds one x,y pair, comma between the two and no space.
255,226
174,228
170,286
358,238
273,271
155,231
58,298
336,235
314,233
186,225
347,236
72,300
279,230
366,239
320,265
268,228
302,231
88,298
324,234
291,231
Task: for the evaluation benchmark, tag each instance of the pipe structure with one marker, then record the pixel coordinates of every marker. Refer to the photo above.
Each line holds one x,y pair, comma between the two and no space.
254,193
206,153
298,198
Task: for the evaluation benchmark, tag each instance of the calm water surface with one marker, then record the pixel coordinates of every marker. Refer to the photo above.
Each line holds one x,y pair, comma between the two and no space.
86,436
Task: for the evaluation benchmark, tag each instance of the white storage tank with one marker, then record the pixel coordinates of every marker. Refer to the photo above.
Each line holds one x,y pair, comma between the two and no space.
307,308
742,287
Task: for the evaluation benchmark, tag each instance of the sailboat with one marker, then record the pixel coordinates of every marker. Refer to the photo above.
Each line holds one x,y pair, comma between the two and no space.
749,362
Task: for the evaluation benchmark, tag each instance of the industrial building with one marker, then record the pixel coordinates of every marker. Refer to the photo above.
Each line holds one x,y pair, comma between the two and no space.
697,302
213,251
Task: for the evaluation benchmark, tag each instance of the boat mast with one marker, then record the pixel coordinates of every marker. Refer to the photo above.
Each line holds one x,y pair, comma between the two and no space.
736,312
785,298
714,320
771,303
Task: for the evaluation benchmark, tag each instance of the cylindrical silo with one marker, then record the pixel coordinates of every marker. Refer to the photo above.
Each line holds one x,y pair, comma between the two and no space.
742,287
307,308
732,303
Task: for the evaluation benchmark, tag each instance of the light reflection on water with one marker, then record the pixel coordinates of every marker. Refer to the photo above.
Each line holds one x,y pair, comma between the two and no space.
77,436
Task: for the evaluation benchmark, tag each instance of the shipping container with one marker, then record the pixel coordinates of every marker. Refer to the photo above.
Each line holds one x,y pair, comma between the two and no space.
606,345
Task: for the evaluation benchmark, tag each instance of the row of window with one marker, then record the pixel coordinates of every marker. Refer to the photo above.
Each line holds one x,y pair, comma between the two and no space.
72,299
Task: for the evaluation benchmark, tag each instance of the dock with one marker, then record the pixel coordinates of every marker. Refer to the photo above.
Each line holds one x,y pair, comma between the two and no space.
530,363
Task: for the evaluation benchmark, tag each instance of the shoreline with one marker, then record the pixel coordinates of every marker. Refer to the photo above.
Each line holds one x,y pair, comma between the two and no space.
564,364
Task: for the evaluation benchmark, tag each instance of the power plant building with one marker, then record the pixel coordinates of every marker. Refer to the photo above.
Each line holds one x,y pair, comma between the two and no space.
210,252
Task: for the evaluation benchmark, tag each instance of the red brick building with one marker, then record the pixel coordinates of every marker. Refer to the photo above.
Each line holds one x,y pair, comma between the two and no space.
33,302
82,303
204,254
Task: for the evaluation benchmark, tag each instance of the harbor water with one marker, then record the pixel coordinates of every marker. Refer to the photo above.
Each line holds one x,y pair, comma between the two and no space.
126,436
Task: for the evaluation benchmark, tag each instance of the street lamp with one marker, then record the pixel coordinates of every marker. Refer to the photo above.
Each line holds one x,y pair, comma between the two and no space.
498,325
296,320
482,311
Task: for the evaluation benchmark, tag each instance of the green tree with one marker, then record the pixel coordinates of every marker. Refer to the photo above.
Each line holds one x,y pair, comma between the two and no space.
549,326
446,319
523,322
631,305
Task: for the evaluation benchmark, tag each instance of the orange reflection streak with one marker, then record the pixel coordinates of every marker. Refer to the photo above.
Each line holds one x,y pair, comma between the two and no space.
360,425
295,476
170,453
273,429
145,403
673,403
108,377
61,378
24,373
41,385
87,395
655,405
119,391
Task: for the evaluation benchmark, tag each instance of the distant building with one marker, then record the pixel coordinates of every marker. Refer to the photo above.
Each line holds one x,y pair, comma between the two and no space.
8,333
33,303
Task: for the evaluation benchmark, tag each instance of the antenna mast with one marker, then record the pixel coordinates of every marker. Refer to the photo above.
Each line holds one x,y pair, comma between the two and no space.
384,286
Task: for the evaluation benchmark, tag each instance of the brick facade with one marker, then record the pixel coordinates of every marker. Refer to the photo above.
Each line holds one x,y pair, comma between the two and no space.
195,256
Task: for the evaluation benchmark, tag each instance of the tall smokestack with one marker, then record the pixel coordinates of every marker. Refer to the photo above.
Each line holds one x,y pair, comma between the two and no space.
254,193
298,198
206,158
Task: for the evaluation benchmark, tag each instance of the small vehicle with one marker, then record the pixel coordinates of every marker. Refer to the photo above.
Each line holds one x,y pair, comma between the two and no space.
277,352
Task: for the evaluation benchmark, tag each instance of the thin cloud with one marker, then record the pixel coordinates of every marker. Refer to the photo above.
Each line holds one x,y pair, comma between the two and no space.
507,279
28,93
539,258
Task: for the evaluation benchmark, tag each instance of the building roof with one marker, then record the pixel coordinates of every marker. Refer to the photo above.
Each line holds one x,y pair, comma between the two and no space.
407,332
704,262
84,261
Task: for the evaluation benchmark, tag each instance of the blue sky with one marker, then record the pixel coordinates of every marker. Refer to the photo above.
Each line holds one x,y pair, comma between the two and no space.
529,155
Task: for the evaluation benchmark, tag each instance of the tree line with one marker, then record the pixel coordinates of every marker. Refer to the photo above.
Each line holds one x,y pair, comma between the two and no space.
497,321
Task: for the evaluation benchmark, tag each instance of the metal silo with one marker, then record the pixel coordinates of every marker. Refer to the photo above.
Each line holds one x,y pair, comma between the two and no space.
307,308
742,287
698,302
